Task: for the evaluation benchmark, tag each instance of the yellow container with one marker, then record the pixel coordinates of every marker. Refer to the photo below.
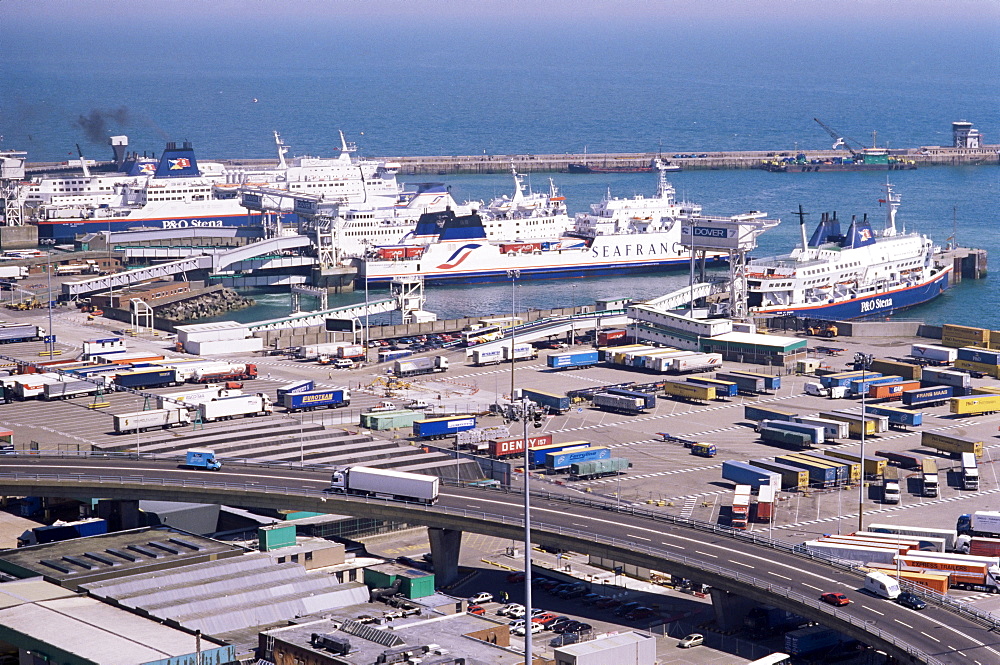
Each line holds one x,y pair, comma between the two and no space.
974,405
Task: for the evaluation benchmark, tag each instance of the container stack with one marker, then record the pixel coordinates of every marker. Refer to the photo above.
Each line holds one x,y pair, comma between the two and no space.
978,359
959,336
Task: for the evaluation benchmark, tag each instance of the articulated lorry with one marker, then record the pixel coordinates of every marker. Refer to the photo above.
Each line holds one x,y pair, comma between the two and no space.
153,418
227,408
574,360
418,366
307,400
385,484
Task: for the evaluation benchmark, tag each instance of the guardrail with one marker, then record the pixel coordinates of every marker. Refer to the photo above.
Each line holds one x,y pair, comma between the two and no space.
957,607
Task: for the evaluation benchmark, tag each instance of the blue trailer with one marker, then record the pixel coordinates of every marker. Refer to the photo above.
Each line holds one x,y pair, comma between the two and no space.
648,399
979,355
296,387
756,413
841,379
743,473
564,459
928,396
899,418
95,370
56,532
817,433
148,378
575,360
722,388
753,385
536,455
307,400
858,386
771,381
553,403
438,428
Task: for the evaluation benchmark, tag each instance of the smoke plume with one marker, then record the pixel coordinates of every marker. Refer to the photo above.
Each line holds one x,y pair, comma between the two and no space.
95,123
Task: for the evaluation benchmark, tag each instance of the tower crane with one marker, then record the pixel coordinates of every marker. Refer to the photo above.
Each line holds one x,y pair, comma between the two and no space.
838,140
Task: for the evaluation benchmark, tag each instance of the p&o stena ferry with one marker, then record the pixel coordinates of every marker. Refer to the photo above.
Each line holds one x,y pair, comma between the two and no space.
617,236
854,275
177,192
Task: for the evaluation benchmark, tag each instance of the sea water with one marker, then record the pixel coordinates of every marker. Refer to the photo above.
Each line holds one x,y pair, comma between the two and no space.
435,87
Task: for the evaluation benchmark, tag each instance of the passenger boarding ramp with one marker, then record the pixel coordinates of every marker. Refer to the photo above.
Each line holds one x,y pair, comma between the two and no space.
688,294
305,319
250,256
557,325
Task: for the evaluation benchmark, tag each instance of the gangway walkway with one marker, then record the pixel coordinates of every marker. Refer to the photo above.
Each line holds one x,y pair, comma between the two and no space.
687,294
305,319
215,263
556,325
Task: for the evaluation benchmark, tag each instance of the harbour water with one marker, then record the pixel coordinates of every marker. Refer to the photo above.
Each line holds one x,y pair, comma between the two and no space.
420,85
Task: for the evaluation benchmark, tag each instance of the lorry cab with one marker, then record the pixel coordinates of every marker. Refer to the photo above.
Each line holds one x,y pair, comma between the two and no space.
704,449
881,585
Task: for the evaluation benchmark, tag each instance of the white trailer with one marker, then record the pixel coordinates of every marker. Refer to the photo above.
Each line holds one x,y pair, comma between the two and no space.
385,483
487,356
832,429
144,420
699,362
314,351
940,354
67,389
211,391
32,386
855,553
226,408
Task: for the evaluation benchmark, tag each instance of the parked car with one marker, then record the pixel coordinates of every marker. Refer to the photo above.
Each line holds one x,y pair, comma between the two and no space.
608,603
515,624
640,613
481,597
590,598
556,626
564,639
478,610
692,640
535,628
911,600
573,592
565,626
835,598
516,577
510,607
545,619
517,612
624,609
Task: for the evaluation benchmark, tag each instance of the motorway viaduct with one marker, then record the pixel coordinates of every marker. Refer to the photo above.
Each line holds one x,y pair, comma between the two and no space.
738,566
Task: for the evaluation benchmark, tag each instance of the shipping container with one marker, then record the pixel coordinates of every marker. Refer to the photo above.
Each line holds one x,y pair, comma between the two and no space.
976,369
903,460
820,475
843,379
689,391
784,438
68,389
391,420
499,448
874,466
892,391
757,413
816,433
648,399
848,471
438,428
749,385
771,381
855,421
765,503
743,473
862,384
553,403
564,459
909,371
949,535
575,360
537,455
927,396
610,337
898,418
792,477
147,378
939,354
241,406
832,429
722,388
979,355
699,362
974,406
959,336
920,543
933,376
598,468
619,403
951,444
154,418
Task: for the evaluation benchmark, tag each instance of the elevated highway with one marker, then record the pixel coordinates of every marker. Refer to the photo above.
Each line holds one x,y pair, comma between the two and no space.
743,564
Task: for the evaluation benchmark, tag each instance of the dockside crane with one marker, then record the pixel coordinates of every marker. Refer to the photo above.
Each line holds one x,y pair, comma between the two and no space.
838,139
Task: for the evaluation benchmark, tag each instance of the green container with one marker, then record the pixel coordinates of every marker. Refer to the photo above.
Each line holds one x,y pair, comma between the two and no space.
416,584
276,537
388,420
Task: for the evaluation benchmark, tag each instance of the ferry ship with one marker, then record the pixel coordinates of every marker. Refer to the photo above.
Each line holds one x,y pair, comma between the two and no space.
178,192
855,275
618,236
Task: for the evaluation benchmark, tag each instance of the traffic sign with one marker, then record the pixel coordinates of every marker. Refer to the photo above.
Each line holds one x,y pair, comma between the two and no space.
49,339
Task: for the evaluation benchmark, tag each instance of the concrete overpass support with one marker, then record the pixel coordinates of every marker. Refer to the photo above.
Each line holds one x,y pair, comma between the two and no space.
445,547
730,609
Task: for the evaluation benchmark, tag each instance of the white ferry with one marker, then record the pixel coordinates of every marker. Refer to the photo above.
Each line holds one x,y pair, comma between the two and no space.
859,274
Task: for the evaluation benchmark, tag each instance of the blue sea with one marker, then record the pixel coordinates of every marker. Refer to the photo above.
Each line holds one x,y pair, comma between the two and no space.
429,83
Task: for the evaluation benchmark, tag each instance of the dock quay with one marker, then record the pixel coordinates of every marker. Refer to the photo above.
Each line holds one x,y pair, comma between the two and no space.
441,165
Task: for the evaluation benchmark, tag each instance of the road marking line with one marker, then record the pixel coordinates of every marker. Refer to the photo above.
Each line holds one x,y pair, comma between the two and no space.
930,636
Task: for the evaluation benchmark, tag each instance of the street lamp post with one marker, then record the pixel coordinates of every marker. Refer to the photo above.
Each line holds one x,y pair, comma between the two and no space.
864,360
513,274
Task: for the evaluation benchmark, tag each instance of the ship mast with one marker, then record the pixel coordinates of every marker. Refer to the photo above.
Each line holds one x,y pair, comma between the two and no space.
282,149
892,205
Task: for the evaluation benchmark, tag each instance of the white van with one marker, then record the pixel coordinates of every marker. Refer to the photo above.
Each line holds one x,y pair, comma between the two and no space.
881,585
816,389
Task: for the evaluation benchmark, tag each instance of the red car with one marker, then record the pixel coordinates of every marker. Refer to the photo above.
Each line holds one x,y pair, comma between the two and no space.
478,610
515,577
834,598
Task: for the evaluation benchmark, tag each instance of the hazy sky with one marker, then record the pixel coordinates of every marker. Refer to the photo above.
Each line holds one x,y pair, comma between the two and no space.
834,14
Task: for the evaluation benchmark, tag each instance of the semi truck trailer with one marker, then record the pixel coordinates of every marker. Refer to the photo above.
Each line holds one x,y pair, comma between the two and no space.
385,483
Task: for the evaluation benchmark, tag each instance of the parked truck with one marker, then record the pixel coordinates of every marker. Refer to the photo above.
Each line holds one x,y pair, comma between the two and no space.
574,360
19,332
978,546
929,475
750,385
147,378
743,473
227,408
438,428
564,459
228,372
553,403
307,400
314,351
202,458
740,511
418,366
929,396
68,389
154,418
933,376
983,523
598,468
976,573
385,483
948,535
295,387
764,508
890,485
970,472
951,444
620,403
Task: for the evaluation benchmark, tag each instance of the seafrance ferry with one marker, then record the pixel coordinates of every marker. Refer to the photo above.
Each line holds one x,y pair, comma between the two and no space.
852,275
